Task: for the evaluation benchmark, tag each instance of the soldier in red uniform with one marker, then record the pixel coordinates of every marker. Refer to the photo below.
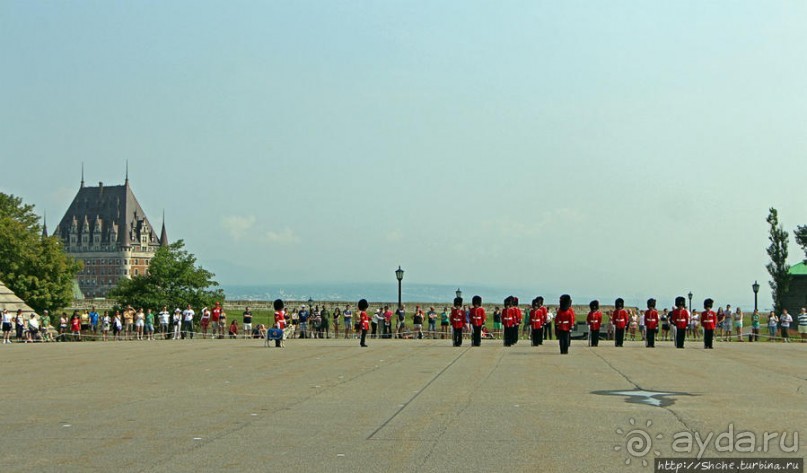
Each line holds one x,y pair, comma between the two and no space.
509,321
680,318
537,321
708,322
280,319
457,319
364,321
651,323
478,319
544,316
594,321
620,319
564,321
518,316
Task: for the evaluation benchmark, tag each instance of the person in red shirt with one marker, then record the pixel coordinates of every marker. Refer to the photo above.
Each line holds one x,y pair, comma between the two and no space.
537,321
620,319
215,317
680,318
564,322
651,323
478,319
708,322
364,321
594,321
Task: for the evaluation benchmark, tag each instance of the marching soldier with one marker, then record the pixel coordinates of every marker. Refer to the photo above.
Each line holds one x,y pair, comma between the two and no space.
364,321
620,319
564,320
478,319
651,323
680,318
537,321
509,321
708,322
457,321
594,321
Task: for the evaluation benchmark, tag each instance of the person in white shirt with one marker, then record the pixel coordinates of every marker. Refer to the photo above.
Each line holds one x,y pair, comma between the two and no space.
165,320
6,326
784,325
187,322
177,320
803,324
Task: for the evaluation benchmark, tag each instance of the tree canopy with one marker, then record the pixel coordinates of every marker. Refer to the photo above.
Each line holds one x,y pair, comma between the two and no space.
173,280
36,268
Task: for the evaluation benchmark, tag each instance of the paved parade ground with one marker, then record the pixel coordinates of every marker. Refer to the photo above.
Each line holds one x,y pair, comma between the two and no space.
399,405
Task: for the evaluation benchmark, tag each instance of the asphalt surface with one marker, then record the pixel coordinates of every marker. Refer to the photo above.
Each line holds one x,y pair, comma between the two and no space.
399,405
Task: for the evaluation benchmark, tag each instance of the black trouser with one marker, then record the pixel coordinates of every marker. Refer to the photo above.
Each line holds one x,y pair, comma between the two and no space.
708,338
783,331
509,339
515,334
680,336
374,328
457,337
548,331
363,336
594,337
564,339
477,337
754,335
619,336
537,336
277,342
651,338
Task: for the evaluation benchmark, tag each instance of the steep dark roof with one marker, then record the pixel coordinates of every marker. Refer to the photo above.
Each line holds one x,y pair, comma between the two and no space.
111,211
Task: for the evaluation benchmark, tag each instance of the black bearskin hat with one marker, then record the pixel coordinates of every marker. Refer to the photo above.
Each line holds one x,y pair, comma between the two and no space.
363,305
594,305
651,303
708,303
539,300
514,301
457,301
680,301
508,301
476,301
619,303
565,302
278,304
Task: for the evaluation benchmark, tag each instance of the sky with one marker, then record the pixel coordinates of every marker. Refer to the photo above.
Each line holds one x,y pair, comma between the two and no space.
621,148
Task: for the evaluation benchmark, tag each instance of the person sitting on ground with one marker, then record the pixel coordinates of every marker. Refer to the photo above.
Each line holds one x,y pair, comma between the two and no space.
233,329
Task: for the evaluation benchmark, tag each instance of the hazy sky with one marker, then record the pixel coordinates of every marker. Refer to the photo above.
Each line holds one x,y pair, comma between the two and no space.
601,148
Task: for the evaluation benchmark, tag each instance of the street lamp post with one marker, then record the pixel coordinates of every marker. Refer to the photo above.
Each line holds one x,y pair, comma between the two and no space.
458,292
399,275
690,300
755,287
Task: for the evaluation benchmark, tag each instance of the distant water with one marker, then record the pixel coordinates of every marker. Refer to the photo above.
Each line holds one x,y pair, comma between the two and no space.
373,292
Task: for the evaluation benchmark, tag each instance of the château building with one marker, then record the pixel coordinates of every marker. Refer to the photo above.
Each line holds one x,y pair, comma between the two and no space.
108,231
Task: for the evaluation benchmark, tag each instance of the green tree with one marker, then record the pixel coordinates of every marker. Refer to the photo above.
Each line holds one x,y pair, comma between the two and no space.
173,280
37,269
778,267
801,238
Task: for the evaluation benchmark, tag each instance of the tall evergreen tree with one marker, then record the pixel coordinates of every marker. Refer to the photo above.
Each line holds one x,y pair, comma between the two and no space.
36,268
778,267
801,239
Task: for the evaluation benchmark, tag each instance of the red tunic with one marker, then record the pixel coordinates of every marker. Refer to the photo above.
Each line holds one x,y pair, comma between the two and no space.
594,319
564,321
680,317
517,314
621,318
651,319
478,317
280,319
538,318
457,318
708,320
364,320
508,317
